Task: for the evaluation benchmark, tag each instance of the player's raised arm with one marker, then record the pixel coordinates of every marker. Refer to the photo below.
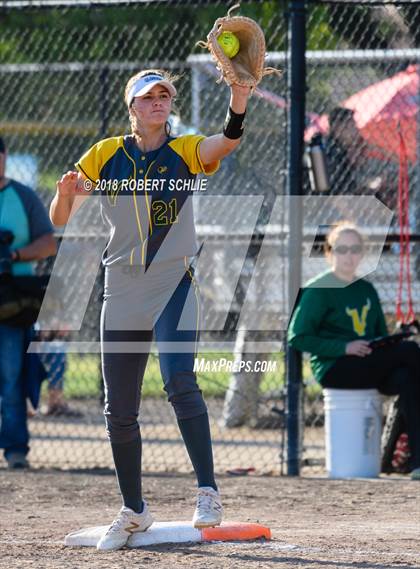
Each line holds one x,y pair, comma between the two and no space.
218,146
240,57
69,197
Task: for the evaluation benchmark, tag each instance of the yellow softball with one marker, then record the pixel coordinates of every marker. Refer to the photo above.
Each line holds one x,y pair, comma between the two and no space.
229,43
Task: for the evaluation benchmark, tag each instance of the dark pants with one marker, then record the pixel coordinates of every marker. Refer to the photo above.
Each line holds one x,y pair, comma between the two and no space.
392,370
14,435
123,372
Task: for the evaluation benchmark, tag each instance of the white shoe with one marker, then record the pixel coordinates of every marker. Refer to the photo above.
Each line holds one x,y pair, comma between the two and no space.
123,527
209,509
415,474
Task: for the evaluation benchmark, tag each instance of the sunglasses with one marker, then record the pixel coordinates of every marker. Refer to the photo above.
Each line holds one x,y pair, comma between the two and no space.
343,249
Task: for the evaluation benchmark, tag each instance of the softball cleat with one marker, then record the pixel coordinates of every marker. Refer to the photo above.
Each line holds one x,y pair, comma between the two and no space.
209,511
123,527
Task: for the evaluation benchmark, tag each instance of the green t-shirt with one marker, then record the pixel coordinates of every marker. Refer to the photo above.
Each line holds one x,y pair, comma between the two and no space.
331,313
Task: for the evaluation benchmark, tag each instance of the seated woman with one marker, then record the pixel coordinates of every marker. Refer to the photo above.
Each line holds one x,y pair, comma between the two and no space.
336,317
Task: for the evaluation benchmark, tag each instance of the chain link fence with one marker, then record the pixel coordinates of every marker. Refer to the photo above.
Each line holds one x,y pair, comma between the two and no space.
362,90
63,70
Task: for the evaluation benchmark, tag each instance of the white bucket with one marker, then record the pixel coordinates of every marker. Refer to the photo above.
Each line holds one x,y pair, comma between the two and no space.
353,426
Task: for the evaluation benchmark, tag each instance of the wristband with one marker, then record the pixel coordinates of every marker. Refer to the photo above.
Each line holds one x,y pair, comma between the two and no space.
17,256
233,127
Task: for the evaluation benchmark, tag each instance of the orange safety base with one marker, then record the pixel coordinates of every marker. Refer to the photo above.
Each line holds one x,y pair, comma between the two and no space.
235,531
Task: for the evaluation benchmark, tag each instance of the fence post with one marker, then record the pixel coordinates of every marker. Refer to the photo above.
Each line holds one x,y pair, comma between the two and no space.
296,79
195,97
105,103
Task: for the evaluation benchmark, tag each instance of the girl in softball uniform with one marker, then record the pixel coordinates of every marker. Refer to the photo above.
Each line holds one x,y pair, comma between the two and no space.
144,181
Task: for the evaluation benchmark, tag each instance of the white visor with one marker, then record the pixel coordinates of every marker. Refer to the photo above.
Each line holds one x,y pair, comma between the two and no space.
144,84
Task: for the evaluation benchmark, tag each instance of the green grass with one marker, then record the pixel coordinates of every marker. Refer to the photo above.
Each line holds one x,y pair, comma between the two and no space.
48,179
83,377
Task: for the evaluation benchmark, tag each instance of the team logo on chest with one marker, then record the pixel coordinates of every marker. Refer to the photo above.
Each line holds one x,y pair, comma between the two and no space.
359,320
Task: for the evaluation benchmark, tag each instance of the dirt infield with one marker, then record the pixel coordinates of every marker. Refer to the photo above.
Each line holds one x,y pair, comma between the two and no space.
315,523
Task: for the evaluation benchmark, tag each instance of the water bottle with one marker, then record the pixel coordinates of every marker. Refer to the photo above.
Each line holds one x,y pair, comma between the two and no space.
317,165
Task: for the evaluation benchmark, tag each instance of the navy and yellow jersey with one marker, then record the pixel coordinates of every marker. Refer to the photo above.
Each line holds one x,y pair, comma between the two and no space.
146,196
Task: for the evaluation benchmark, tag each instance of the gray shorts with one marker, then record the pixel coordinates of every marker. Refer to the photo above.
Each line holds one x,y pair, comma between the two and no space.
135,298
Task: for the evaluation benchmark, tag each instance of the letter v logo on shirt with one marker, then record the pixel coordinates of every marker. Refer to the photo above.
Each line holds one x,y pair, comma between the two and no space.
359,322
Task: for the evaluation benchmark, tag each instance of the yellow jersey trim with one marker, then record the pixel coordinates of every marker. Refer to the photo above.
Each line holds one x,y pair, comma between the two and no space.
92,162
188,148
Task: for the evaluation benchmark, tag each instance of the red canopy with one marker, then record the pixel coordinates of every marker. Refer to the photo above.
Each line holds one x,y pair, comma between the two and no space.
383,107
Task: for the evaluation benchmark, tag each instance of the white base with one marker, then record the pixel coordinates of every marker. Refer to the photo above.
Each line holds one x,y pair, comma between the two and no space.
159,532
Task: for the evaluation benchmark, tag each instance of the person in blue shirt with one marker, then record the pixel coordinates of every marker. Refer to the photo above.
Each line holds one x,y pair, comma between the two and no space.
23,214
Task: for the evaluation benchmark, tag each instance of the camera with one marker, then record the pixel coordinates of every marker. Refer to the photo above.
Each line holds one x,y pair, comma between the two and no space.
6,239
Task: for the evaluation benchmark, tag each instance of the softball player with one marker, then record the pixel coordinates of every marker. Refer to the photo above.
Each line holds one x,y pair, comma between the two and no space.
149,280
